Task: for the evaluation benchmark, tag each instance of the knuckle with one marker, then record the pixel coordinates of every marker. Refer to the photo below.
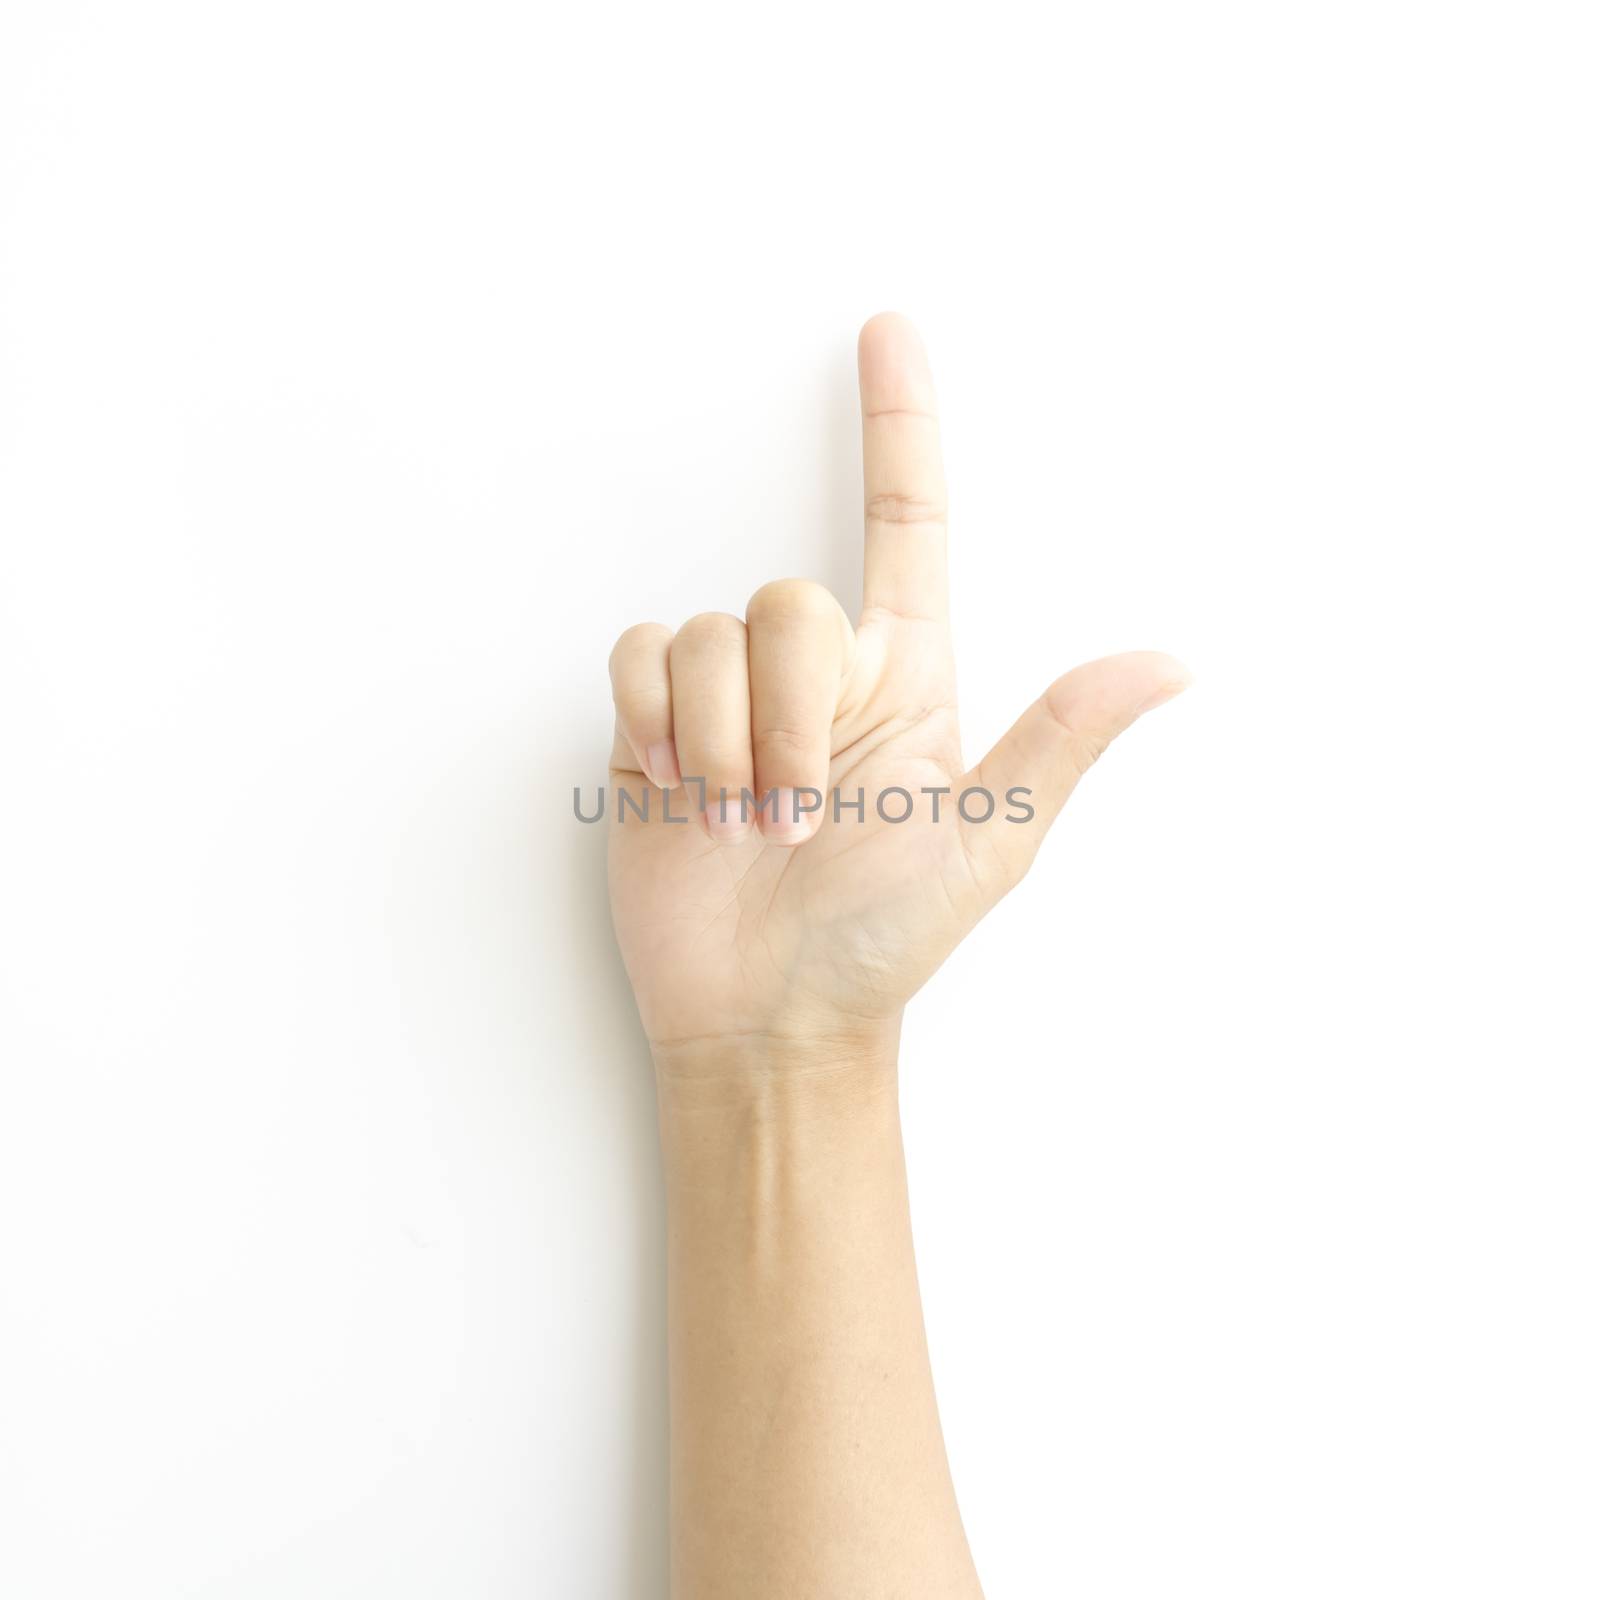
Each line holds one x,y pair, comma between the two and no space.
711,630
787,599
645,639
1085,746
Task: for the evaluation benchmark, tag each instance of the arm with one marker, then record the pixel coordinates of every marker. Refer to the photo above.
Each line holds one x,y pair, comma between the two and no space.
771,954
806,1453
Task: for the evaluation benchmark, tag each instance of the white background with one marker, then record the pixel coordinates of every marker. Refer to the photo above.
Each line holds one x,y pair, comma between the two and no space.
364,369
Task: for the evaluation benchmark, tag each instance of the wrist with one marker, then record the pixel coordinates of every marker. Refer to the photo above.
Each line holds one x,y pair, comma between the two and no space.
777,1073
777,1129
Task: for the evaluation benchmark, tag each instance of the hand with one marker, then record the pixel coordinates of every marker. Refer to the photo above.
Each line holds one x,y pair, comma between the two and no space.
812,928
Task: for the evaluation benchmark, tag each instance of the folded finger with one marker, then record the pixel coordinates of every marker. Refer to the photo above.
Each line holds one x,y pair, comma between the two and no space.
711,718
641,688
800,648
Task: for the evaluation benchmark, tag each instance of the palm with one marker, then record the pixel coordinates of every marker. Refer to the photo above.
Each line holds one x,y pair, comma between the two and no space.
835,924
726,938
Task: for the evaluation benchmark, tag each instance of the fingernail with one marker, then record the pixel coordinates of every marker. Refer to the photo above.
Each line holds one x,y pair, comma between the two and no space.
661,764
781,825
1165,693
725,822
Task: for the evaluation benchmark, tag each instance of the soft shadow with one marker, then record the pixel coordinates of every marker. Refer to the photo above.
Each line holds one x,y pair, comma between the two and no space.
621,1054
839,409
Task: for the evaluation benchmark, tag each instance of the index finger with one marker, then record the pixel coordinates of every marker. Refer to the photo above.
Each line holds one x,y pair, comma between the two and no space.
902,472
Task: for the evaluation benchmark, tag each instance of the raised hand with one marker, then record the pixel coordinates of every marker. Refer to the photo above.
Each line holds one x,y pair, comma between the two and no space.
814,920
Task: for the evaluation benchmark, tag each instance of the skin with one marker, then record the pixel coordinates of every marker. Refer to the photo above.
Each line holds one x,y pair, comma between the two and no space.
771,959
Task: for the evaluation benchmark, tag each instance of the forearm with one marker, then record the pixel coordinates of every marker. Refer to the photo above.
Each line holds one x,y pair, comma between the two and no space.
806,1454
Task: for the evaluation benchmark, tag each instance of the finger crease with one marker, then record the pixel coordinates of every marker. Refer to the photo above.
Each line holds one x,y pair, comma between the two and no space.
904,509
